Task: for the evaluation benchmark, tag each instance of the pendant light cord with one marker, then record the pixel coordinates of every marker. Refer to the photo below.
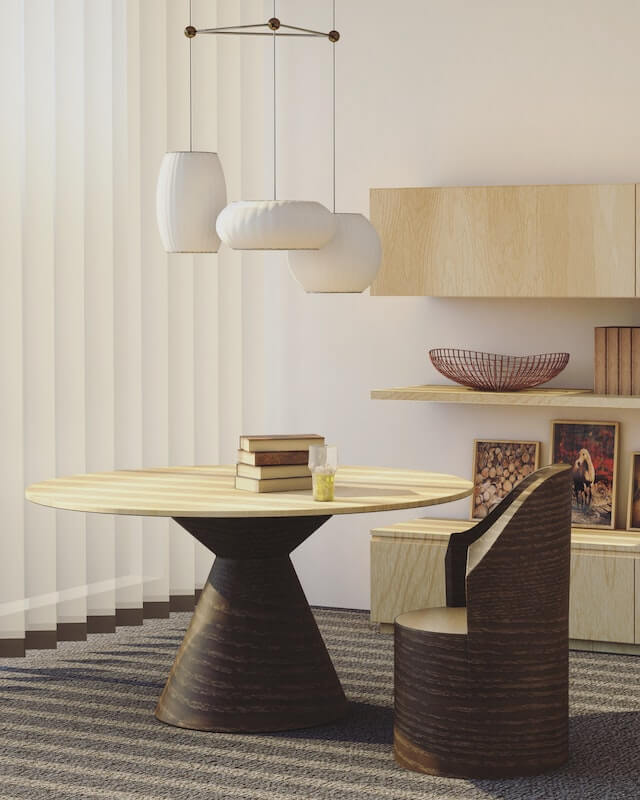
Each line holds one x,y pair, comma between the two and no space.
190,91
275,149
333,146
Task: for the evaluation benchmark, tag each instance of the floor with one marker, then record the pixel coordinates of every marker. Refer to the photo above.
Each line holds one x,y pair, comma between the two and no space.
78,723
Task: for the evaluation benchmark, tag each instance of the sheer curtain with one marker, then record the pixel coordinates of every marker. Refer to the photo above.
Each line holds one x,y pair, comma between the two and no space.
112,354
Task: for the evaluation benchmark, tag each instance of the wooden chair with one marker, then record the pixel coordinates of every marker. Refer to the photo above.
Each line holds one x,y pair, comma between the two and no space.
481,685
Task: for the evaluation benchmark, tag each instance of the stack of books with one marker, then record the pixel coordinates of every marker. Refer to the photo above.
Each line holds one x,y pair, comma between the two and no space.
275,463
617,361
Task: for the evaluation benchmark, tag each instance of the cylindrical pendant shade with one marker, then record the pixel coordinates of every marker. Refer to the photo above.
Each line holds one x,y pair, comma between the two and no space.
348,263
275,225
190,194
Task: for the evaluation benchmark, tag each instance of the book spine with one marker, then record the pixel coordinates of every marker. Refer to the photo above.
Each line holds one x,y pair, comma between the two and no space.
600,362
277,458
624,374
635,361
613,361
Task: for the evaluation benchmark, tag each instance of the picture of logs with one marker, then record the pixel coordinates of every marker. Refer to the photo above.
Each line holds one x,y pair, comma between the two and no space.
499,466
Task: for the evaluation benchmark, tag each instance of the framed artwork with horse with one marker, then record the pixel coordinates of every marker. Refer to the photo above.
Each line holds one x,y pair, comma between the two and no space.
633,512
591,448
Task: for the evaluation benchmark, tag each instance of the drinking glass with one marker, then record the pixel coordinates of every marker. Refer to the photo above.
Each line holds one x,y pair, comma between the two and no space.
323,462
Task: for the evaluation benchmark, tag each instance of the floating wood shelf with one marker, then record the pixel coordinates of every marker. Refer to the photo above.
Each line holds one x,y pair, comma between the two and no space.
570,398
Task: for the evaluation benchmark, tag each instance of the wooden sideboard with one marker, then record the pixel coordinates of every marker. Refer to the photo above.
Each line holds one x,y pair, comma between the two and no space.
508,241
407,572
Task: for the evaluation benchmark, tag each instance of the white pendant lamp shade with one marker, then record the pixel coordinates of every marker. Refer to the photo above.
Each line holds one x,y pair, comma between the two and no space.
190,194
348,263
275,225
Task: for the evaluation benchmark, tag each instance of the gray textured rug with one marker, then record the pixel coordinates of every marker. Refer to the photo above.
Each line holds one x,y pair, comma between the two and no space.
78,723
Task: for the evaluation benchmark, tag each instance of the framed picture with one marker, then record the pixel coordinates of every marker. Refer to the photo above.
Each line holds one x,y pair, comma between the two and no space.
633,512
498,466
591,448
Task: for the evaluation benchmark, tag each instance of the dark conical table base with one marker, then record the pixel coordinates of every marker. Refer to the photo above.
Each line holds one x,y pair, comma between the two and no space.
253,658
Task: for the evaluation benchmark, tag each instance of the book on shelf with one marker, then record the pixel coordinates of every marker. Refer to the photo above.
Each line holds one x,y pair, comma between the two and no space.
624,361
600,362
273,484
268,459
616,368
612,361
275,471
285,441
635,361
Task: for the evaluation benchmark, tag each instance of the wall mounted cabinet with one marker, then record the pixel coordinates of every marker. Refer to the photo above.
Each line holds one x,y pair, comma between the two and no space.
507,241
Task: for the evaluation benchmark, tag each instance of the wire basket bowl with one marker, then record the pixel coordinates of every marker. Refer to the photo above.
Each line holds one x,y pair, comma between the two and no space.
491,372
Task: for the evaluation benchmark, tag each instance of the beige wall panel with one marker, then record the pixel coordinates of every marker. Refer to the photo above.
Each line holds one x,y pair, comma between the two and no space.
38,321
404,576
12,567
602,597
127,288
506,241
69,316
154,281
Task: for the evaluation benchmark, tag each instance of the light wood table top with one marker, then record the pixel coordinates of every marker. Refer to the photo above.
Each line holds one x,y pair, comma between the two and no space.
208,491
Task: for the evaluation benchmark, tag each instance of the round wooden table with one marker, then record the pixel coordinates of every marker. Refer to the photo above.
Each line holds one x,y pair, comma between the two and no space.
252,658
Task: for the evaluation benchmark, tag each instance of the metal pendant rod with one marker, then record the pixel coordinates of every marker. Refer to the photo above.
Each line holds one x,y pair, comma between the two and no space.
258,33
232,28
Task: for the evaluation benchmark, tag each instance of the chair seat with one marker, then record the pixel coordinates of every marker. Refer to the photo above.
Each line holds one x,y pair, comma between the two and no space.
436,620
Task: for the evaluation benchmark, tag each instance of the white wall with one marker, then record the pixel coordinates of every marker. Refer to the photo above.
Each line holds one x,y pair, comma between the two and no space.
446,92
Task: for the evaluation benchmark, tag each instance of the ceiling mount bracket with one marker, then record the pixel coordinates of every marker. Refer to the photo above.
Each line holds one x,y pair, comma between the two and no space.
275,26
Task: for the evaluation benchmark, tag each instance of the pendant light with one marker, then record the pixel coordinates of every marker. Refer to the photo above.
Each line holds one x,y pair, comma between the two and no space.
351,260
190,193
276,224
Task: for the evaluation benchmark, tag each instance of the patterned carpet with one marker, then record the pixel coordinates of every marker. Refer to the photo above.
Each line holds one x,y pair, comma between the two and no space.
78,723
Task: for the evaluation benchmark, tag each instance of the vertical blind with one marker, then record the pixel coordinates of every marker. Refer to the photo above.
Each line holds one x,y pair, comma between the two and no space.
113,355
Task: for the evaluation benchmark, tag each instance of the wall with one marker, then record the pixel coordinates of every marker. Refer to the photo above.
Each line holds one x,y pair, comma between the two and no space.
428,93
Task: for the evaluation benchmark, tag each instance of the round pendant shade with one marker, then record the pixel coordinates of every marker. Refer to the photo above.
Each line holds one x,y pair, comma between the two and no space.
348,263
190,194
275,225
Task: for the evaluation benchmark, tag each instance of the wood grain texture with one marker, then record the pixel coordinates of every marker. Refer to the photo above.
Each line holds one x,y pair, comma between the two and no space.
209,492
494,702
402,578
252,658
603,597
449,393
506,241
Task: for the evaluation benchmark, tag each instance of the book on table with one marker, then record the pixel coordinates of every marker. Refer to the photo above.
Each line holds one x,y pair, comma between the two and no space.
270,472
280,442
273,484
277,458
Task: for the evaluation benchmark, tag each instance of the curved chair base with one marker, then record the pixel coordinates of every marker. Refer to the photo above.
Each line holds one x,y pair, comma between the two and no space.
455,718
411,756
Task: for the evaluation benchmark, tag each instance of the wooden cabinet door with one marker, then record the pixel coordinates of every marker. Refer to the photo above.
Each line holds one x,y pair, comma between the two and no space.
602,597
404,576
507,241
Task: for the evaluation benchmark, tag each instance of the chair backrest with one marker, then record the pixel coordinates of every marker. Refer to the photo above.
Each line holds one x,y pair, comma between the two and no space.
518,571
455,562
